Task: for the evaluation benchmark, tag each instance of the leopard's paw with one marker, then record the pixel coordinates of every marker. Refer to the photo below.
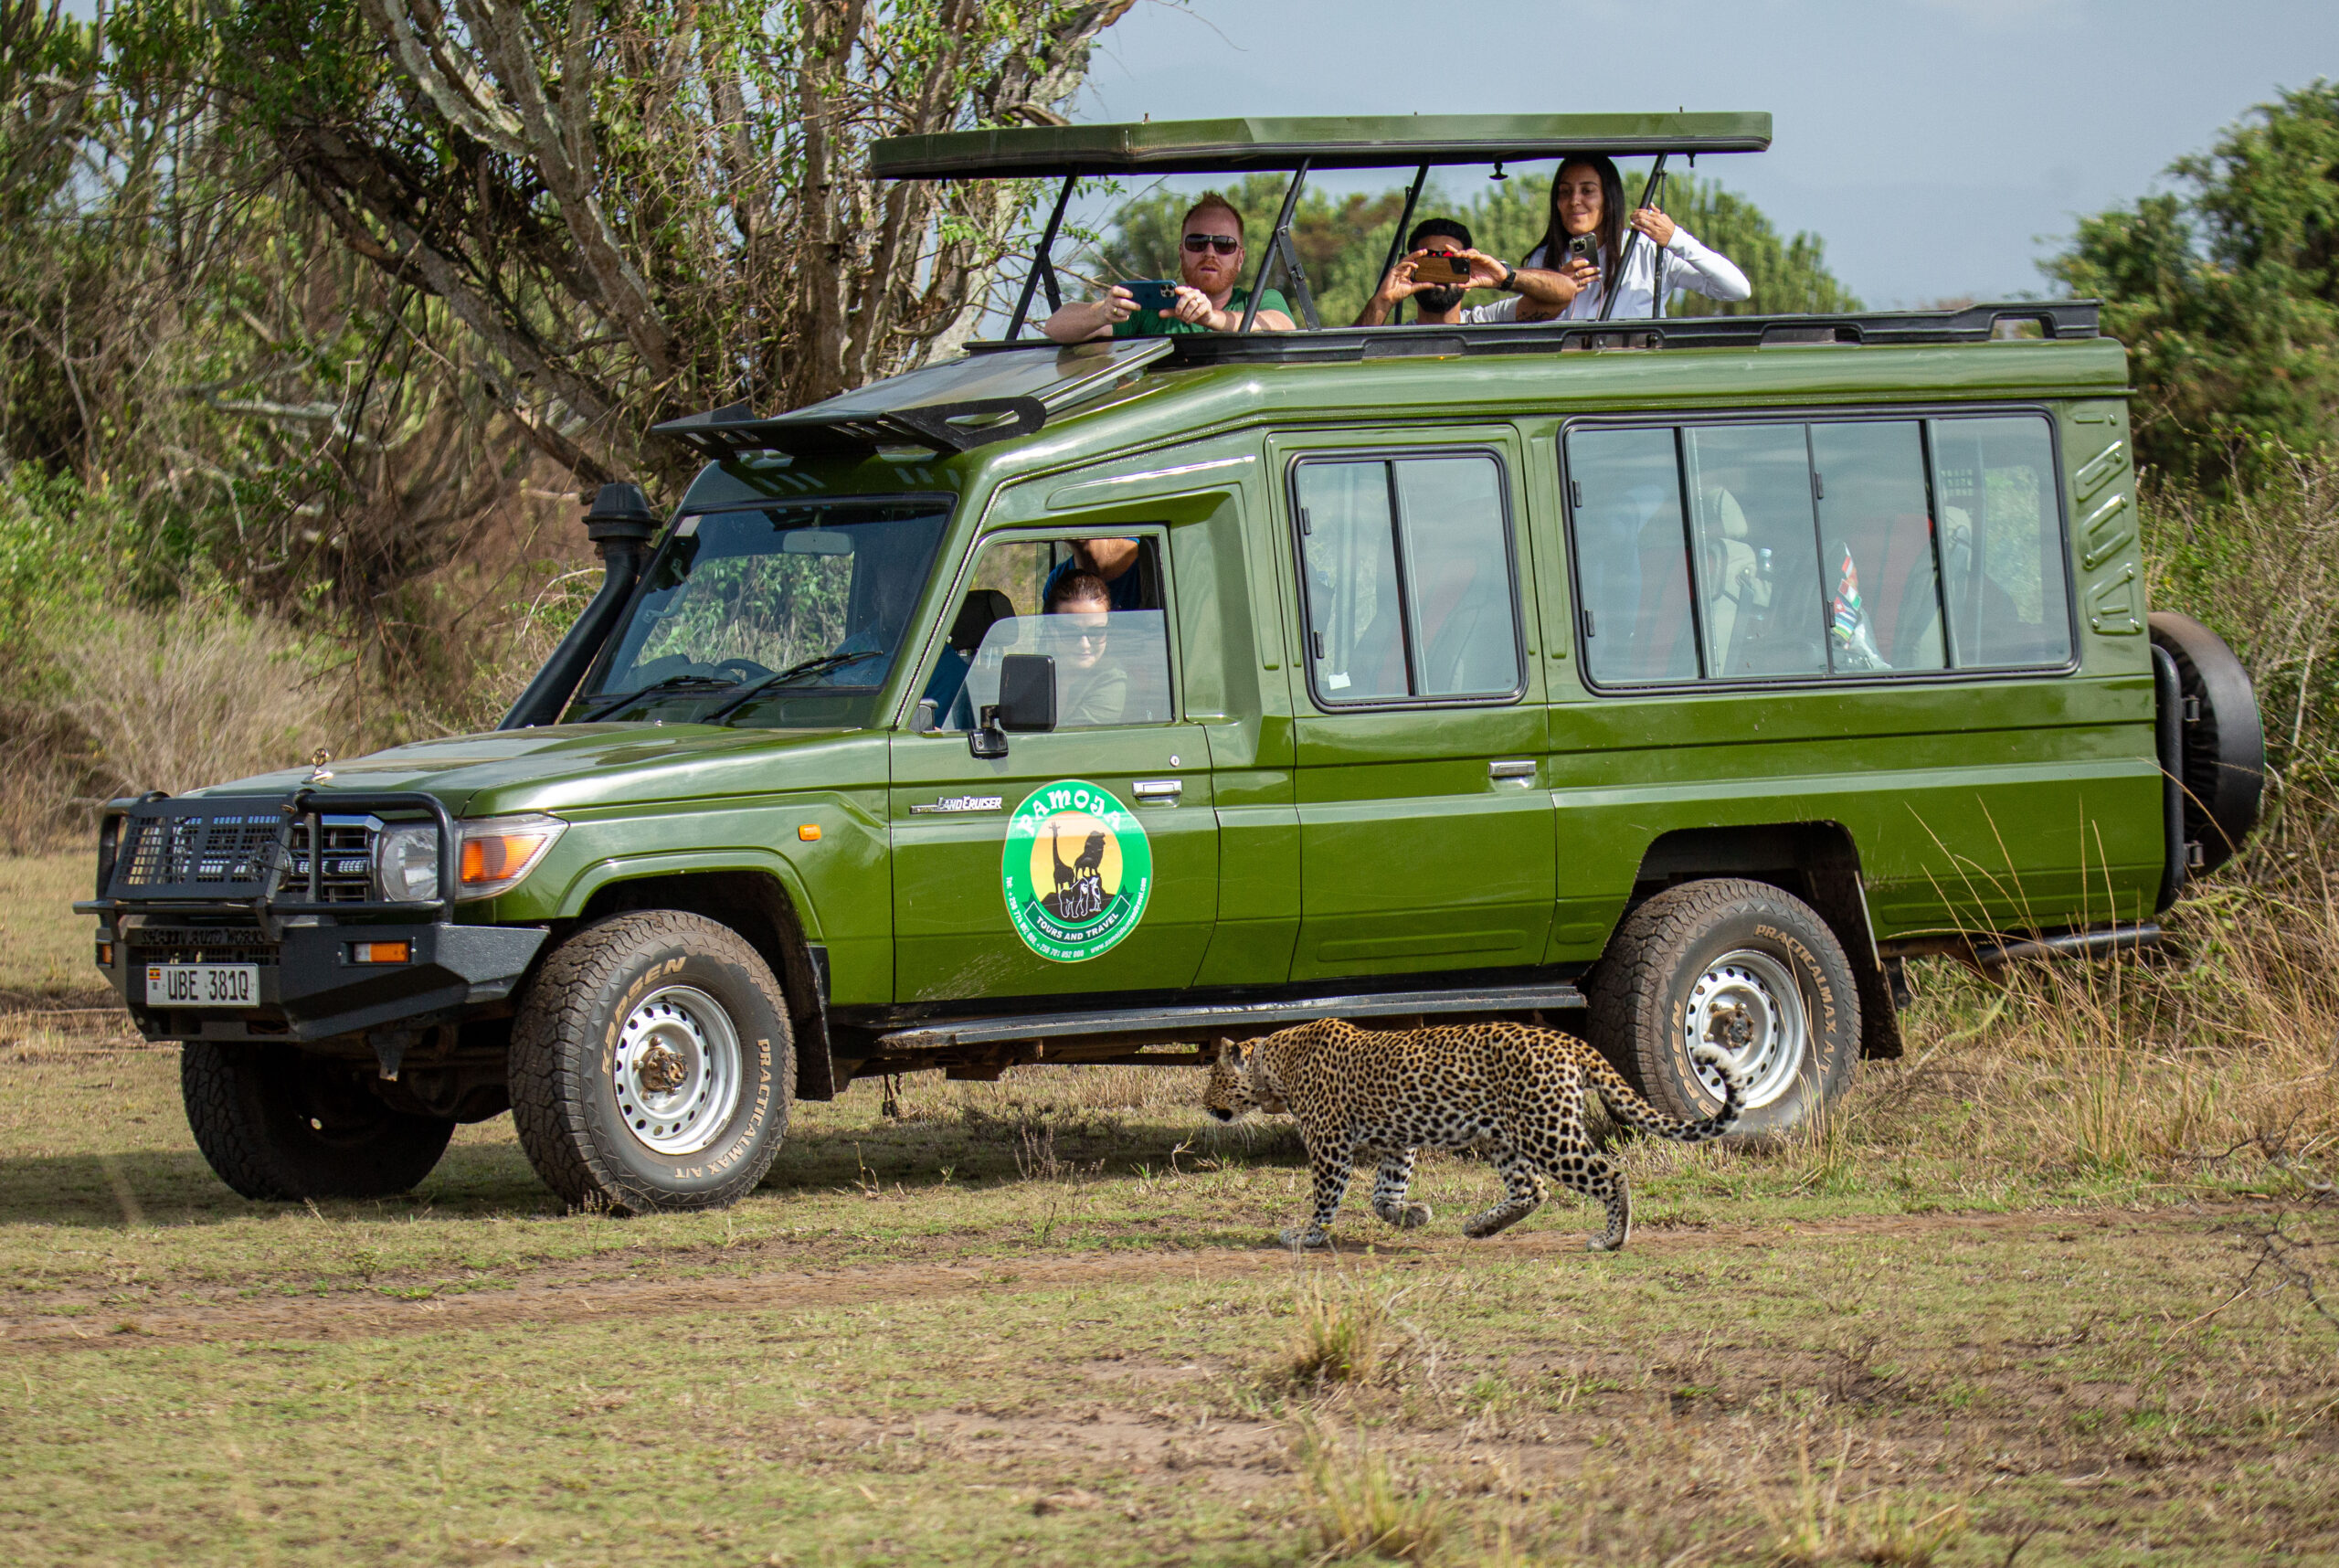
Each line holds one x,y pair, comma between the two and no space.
1304,1236
1602,1243
1410,1216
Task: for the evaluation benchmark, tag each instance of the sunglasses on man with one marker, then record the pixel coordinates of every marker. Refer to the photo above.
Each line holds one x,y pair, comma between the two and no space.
1224,244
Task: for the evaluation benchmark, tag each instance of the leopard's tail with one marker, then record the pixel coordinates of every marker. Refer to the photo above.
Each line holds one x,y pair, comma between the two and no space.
1636,1112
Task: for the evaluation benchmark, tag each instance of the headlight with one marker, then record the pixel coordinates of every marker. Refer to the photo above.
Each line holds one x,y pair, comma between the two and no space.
492,854
406,863
497,851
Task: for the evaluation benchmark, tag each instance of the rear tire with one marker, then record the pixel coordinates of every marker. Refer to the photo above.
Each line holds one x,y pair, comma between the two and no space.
2225,748
1746,965
651,1064
278,1123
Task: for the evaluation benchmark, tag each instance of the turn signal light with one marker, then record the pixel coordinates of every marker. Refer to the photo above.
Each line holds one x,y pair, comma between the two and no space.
497,851
809,833
381,952
105,954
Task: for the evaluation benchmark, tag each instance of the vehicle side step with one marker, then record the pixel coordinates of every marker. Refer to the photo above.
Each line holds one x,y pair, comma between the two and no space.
946,1032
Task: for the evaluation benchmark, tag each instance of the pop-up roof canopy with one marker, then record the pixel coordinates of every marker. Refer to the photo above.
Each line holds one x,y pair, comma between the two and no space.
1009,389
1365,142
1335,142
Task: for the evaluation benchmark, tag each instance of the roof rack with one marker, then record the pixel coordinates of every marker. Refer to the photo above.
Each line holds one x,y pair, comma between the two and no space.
1365,142
2060,319
1001,390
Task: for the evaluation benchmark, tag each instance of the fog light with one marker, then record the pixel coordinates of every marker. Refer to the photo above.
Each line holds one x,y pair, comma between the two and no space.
809,833
380,952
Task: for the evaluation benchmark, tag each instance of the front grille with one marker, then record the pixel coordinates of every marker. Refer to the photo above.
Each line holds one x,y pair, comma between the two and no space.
198,850
228,852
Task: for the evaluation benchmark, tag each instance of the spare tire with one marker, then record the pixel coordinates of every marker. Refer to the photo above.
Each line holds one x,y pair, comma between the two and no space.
2224,745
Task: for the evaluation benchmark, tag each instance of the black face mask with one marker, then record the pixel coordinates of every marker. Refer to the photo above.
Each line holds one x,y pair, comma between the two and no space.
1437,302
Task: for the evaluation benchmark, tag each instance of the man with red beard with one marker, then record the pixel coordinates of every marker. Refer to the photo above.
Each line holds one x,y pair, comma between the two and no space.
1210,297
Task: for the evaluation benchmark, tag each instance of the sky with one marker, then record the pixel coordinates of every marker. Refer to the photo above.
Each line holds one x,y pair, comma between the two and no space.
1939,148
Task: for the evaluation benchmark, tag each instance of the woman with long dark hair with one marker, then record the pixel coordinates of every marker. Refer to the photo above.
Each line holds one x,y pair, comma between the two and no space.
1585,242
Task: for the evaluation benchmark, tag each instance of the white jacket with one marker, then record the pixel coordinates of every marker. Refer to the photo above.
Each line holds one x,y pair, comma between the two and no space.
1650,275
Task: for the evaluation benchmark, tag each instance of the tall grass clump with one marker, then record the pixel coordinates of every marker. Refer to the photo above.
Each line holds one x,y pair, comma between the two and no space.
1359,1507
1342,1331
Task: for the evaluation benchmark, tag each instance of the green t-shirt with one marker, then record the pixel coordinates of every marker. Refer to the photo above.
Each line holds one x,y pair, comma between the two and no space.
1153,324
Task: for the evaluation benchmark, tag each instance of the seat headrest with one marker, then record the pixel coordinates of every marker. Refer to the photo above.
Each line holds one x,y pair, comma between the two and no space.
1732,515
984,609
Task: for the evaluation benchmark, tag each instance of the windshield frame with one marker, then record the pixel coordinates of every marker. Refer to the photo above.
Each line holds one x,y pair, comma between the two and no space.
587,693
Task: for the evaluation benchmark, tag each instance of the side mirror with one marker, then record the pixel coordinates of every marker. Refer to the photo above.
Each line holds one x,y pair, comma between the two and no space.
1027,702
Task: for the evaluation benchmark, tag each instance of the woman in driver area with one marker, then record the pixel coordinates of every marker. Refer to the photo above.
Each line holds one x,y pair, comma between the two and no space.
1588,218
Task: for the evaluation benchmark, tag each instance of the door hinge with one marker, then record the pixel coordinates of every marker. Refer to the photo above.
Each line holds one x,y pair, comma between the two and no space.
1575,493
1588,630
1818,486
1316,641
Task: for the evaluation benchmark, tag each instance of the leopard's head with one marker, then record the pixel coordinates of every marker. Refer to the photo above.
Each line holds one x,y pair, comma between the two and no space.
1239,1082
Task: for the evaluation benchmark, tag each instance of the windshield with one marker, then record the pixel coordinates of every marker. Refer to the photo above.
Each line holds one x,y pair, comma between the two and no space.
778,615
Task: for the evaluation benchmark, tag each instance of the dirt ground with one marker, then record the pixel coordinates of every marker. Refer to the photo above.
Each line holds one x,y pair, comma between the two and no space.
1042,1320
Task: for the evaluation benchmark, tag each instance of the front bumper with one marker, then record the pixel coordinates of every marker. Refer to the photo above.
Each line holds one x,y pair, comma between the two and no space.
311,985
206,881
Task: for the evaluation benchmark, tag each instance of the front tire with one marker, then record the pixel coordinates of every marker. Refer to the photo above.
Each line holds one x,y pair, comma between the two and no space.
1741,965
651,1063
279,1124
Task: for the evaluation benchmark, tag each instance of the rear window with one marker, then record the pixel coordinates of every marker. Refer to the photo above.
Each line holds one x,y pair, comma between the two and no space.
1810,550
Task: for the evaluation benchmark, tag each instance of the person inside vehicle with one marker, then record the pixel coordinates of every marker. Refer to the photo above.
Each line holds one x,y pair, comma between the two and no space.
1585,236
1092,689
1210,296
1111,561
1440,303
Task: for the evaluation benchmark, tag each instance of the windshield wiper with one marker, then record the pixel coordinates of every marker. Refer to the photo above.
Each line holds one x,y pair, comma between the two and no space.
671,684
823,664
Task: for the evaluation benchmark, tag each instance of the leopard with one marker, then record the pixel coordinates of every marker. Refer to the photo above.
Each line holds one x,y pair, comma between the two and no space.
1512,1092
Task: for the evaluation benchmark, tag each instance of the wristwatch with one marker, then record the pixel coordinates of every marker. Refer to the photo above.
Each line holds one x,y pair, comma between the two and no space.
1509,278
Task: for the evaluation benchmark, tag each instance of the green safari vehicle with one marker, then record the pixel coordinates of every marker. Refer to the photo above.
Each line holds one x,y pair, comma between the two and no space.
1672,680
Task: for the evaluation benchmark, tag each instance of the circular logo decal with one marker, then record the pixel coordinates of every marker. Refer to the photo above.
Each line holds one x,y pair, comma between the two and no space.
1076,871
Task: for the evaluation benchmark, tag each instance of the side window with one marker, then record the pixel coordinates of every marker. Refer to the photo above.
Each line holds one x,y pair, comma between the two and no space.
1847,547
1632,563
1096,607
1877,548
1758,561
1406,568
2001,545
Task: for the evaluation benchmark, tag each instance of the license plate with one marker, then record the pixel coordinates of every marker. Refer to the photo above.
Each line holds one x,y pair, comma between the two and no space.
203,985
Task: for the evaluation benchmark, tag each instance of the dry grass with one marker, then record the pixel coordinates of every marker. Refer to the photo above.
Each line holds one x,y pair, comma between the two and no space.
195,695
44,946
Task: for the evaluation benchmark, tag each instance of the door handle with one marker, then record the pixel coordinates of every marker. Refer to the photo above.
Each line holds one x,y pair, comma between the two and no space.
1165,790
1513,769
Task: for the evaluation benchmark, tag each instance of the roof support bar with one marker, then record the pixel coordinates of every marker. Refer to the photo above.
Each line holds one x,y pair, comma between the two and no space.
1281,247
1397,241
1631,242
1041,265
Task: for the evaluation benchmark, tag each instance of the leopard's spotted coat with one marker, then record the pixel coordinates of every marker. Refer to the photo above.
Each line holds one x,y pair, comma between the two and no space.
1510,1091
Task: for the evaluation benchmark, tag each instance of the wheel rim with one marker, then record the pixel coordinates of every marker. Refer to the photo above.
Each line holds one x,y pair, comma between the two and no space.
677,1070
1748,1004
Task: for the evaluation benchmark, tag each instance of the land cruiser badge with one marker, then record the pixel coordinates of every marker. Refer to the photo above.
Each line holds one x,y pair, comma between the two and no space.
1076,871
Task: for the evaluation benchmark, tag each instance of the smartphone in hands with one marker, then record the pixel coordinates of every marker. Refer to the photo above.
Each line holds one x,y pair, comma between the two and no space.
1583,248
1152,293
1438,267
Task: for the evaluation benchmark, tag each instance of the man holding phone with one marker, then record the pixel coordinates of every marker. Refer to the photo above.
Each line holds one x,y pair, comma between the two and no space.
1440,268
1210,296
